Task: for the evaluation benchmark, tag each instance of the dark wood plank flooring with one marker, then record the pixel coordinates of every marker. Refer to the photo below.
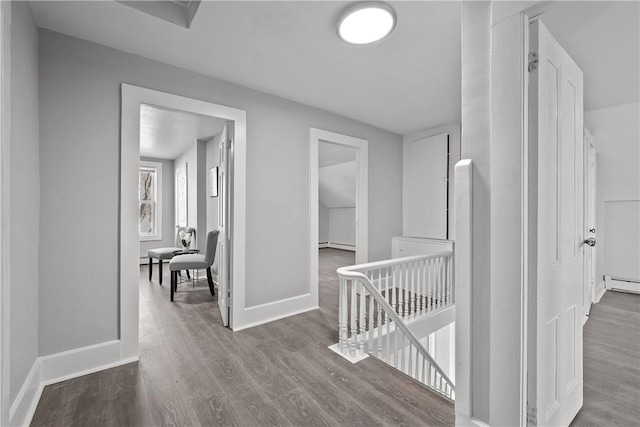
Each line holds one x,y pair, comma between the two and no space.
612,363
193,371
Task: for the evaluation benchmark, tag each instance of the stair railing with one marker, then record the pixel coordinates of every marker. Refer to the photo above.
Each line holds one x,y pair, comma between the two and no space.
376,301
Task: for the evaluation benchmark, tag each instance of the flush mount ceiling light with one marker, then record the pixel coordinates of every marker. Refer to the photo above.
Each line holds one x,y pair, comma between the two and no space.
366,22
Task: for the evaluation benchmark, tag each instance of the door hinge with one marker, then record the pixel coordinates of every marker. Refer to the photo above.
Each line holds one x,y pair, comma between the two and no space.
533,61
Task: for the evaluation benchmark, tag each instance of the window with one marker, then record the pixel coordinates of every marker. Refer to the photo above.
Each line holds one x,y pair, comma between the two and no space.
150,200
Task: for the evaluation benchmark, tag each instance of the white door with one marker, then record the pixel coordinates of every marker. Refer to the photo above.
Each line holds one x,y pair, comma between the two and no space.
557,116
223,254
590,222
426,188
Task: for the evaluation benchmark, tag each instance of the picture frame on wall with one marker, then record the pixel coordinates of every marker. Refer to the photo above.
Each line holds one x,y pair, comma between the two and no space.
213,182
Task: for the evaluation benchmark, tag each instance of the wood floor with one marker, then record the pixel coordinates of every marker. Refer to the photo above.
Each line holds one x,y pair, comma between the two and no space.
193,371
612,363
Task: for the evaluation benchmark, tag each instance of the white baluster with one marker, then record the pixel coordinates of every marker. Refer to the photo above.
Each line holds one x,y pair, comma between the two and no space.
361,322
352,319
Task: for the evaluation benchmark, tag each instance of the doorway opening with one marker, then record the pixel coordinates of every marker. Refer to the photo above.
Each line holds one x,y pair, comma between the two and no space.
341,163
229,143
180,164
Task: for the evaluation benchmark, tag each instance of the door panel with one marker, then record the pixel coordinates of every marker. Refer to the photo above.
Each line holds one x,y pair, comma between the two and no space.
426,197
557,83
224,226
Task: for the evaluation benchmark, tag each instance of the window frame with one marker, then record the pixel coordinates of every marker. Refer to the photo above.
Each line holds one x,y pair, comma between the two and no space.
157,168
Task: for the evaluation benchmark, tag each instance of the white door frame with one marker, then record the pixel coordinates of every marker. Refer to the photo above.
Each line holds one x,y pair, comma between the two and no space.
132,98
362,199
5,226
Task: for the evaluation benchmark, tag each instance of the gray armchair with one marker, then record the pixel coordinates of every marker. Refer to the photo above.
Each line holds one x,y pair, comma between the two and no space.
167,253
196,262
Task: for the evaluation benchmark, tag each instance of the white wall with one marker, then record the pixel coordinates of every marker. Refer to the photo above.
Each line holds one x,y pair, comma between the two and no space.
323,220
195,158
80,116
212,154
342,226
201,195
168,211
475,145
616,136
24,181
190,158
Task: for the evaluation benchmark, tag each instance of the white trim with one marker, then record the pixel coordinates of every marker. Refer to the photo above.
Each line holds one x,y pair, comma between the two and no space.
341,246
463,201
362,199
5,217
59,367
265,313
131,99
27,398
353,359
157,166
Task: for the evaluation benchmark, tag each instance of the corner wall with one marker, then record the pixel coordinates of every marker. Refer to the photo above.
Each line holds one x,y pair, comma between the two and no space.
24,182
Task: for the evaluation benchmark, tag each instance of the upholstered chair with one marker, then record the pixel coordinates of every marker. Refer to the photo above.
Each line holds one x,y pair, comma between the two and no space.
195,262
167,253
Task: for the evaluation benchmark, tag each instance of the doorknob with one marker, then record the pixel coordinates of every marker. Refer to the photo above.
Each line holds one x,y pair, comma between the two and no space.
592,230
590,241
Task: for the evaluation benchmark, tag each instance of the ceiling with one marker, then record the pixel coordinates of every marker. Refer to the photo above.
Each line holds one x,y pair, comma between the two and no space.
337,185
603,38
409,81
165,133
332,154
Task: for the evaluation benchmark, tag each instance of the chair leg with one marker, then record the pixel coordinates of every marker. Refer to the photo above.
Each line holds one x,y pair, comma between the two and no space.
210,280
188,275
174,281
150,267
160,270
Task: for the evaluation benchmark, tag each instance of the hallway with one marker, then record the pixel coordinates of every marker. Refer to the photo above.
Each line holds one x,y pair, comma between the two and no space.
193,371
612,363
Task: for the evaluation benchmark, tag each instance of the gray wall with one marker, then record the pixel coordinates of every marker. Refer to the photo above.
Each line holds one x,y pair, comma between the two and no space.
80,115
168,210
24,181
342,226
323,223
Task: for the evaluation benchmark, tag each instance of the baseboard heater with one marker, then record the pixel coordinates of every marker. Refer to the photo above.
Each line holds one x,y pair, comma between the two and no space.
622,284
334,245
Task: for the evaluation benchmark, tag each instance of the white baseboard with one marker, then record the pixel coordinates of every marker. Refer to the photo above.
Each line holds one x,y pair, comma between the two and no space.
59,367
24,405
265,313
344,247
351,248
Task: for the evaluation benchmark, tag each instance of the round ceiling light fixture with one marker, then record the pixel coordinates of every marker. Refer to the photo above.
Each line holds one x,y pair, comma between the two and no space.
366,22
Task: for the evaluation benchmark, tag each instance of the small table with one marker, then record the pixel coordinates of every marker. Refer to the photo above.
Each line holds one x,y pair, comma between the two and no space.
186,252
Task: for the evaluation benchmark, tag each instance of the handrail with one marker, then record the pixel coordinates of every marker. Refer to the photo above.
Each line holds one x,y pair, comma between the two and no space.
392,262
345,272
354,333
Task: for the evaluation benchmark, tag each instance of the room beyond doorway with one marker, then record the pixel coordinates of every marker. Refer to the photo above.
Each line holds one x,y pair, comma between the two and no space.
360,146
